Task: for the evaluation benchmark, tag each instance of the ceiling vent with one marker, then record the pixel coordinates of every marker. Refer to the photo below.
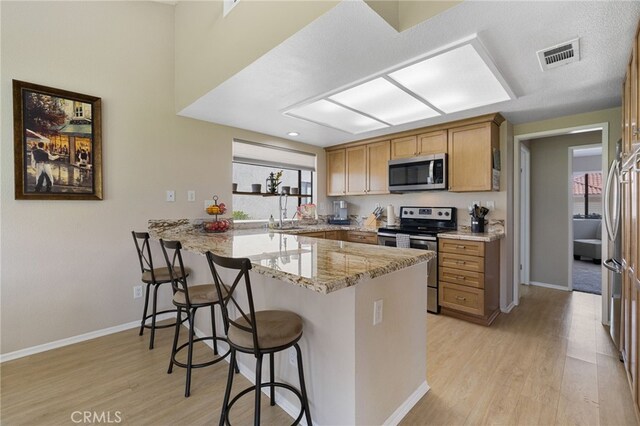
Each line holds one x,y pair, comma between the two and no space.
560,54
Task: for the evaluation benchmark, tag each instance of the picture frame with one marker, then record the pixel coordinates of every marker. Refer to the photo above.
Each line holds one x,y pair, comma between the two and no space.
57,143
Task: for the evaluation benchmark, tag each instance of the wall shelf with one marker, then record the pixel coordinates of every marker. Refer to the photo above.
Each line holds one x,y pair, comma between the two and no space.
264,194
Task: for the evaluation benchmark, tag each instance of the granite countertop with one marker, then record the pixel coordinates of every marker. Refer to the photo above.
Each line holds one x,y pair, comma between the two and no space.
318,264
465,234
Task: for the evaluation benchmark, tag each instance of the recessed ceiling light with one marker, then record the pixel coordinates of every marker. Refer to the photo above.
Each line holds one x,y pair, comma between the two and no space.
332,115
456,80
293,134
385,101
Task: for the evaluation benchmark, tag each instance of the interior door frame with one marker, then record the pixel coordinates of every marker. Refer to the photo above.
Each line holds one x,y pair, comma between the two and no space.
570,215
525,211
517,226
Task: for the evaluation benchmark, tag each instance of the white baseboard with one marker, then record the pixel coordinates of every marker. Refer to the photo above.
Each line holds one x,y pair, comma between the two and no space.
407,405
75,339
508,308
553,286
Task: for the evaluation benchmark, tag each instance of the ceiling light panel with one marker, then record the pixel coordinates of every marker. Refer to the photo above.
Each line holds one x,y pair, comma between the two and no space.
385,101
336,116
453,81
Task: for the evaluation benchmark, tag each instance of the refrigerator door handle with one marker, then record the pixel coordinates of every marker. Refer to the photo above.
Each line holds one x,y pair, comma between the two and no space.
608,210
613,265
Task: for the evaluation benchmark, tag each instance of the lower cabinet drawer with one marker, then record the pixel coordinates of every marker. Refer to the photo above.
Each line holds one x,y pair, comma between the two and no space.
332,235
362,237
462,277
461,298
319,234
461,261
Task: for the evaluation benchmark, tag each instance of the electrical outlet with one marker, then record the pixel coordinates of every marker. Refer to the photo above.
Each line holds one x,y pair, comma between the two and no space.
191,195
171,196
377,312
292,356
137,292
208,203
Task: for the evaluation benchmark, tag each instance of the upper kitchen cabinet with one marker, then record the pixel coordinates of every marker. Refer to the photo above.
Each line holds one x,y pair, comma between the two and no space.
358,169
367,168
423,144
473,149
472,145
336,165
378,156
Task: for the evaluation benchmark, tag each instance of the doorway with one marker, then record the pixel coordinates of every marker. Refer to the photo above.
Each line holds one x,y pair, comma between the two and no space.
585,201
520,229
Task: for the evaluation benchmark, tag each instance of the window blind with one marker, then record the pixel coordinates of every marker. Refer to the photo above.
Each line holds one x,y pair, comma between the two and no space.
272,156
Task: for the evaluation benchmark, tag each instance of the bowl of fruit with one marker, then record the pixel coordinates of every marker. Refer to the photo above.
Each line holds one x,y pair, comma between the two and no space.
215,225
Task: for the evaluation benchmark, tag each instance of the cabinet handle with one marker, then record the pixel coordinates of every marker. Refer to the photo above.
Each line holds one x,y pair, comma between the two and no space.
460,277
461,247
460,262
461,298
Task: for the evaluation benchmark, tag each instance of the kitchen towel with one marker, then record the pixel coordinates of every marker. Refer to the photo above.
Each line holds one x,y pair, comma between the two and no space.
391,215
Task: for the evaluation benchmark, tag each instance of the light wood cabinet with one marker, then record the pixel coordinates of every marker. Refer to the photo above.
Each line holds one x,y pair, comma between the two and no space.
362,237
361,168
405,147
471,152
366,169
469,279
356,170
336,172
378,157
630,212
423,144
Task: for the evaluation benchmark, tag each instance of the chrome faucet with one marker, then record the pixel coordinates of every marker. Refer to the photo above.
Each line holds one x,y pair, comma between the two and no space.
282,211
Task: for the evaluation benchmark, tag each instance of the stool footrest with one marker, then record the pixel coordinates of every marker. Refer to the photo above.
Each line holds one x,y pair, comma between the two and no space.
287,386
173,324
218,358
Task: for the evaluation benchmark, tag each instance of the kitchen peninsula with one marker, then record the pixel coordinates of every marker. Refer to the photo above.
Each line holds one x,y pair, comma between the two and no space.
357,372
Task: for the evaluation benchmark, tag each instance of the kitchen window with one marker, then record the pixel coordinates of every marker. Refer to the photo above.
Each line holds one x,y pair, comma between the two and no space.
252,164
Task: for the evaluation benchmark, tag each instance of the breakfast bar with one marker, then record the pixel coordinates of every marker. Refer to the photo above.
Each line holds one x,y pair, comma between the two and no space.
357,372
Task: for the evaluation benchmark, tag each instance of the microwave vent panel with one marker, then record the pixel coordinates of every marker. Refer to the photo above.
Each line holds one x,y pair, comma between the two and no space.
560,54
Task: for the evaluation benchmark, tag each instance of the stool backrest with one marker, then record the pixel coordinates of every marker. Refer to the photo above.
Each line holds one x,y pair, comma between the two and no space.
228,297
173,257
141,240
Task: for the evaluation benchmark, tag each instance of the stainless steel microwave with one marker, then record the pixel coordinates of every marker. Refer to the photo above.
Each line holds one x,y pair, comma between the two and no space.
418,173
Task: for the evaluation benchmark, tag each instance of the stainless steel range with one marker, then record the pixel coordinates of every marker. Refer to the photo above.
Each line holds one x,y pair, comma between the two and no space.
421,225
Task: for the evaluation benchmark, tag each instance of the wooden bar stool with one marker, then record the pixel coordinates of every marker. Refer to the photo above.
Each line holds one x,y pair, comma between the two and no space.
190,298
152,277
258,333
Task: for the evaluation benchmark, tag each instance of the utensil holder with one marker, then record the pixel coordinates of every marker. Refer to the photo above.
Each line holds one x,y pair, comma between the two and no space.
477,225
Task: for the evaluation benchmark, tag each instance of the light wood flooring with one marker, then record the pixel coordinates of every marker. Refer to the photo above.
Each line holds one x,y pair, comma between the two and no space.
549,361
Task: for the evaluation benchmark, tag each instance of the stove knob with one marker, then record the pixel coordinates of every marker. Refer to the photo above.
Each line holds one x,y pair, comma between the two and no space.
410,211
446,213
439,213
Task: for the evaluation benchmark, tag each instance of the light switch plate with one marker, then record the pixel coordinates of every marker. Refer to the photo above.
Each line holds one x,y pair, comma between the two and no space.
377,312
171,196
191,195
491,205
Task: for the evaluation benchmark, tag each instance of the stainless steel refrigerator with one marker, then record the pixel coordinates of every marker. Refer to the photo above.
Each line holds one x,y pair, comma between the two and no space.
612,201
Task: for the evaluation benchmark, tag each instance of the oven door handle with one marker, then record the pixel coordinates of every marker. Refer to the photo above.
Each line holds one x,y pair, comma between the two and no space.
412,237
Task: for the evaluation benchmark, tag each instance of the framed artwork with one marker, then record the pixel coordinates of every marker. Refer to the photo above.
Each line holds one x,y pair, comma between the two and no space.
57,144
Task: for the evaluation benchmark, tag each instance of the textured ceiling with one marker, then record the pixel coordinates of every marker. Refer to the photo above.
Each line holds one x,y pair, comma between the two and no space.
351,43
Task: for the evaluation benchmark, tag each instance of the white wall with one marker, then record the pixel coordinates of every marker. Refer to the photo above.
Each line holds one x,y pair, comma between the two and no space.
68,267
